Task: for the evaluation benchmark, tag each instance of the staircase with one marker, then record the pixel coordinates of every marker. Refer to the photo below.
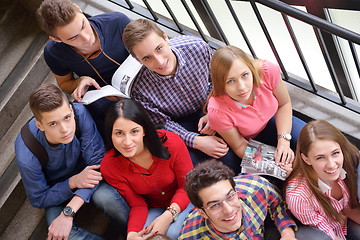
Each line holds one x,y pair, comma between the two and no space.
23,68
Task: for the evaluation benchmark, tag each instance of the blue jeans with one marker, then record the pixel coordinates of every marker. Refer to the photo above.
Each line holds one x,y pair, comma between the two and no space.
353,231
190,123
269,134
107,199
76,232
303,232
174,228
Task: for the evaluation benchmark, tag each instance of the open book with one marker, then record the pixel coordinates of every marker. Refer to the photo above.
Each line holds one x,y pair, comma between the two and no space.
121,82
259,160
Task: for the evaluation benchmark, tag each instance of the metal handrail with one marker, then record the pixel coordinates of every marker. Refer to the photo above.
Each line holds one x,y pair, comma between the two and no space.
320,26
312,20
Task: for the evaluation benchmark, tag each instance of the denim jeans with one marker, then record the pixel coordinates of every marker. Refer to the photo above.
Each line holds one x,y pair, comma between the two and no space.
107,199
353,231
303,232
269,134
174,228
190,123
76,232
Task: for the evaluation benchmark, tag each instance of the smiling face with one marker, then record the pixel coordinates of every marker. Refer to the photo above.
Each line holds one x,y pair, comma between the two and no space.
58,125
239,82
78,33
229,218
128,138
155,53
326,158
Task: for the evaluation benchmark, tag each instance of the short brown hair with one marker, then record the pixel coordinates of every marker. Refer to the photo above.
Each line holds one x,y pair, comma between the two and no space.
46,98
137,30
221,63
55,13
204,175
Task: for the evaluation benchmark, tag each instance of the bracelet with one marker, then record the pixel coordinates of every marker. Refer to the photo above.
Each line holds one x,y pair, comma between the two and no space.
173,212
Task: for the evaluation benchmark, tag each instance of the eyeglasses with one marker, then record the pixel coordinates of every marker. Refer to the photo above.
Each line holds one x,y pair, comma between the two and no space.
217,207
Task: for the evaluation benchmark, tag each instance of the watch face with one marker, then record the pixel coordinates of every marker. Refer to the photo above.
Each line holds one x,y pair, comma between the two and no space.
68,211
288,136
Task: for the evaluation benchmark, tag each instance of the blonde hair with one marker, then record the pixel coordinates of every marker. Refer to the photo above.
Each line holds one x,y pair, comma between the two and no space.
221,63
323,130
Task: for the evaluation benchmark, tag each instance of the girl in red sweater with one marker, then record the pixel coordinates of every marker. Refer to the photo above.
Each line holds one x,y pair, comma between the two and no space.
148,168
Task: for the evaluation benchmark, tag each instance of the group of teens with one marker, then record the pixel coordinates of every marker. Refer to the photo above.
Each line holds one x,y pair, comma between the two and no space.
145,160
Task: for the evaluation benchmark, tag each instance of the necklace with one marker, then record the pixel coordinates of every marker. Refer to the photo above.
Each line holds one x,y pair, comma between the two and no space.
150,185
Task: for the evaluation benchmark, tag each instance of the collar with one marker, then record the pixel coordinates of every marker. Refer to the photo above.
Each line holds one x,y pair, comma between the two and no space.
324,187
243,105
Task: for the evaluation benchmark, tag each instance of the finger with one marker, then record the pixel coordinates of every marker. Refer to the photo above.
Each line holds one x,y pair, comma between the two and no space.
96,85
93,167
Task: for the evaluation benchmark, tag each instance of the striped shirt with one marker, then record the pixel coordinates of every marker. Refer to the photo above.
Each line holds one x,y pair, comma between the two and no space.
257,197
169,97
304,206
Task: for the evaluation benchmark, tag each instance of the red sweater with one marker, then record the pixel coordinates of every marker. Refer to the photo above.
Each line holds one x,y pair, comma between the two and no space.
163,176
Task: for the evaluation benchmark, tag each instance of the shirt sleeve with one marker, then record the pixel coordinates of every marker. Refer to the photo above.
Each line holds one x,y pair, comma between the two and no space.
91,143
218,120
39,193
271,75
137,204
182,165
278,208
307,215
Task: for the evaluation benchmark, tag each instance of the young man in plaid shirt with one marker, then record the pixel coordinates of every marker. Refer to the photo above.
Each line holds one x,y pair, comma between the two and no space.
230,207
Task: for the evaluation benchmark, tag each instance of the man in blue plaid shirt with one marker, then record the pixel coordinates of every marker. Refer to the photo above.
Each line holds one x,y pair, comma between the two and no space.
173,86
232,208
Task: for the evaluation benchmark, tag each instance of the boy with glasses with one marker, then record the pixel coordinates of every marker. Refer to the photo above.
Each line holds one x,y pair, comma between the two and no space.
229,207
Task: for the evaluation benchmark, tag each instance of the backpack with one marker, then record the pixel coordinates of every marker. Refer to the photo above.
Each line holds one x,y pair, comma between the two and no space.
35,147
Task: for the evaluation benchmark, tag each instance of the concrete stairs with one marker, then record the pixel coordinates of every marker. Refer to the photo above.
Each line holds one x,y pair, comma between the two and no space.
23,68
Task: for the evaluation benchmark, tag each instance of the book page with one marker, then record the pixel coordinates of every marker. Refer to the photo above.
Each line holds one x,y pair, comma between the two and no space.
105,91
125,74
259,160
121,82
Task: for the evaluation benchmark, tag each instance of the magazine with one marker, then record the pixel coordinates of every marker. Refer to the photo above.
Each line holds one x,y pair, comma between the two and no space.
259,160
121,82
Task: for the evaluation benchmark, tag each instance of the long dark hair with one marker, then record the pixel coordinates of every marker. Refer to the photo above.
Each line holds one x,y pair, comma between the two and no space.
134,111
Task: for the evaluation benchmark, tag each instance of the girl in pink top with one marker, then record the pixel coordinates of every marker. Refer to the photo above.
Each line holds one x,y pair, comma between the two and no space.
322,190
249,100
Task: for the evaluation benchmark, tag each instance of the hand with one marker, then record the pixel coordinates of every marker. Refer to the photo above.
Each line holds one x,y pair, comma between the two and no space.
283,153
87,178
161,223
139,235
287,234
83,86
60,228
205,129
211,145
288,168
353,214
114,98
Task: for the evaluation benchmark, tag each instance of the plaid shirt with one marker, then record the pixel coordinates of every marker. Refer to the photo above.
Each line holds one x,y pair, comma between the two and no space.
169,97
256,196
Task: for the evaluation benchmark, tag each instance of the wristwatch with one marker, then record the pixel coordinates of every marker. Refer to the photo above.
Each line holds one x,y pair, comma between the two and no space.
173,212
68,211
286,136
